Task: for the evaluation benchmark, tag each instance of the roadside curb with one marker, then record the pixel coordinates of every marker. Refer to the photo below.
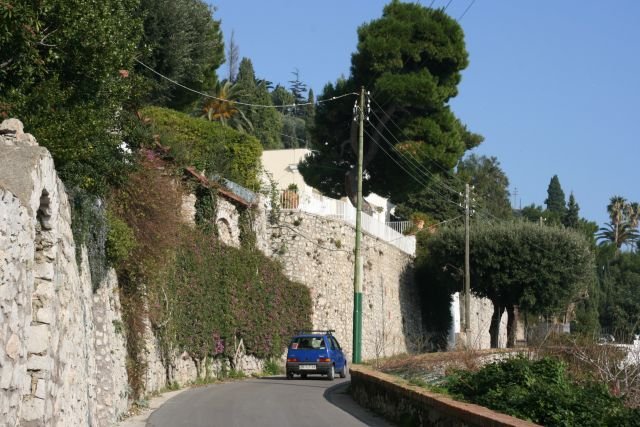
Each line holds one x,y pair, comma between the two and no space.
140,420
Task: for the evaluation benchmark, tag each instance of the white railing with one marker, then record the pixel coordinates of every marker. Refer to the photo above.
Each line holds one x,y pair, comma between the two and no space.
344,211
400,226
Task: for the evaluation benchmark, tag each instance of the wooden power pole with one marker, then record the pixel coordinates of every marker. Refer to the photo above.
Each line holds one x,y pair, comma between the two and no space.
357,276
467,273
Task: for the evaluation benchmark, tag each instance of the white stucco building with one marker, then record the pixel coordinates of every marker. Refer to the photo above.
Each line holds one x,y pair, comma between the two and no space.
282,167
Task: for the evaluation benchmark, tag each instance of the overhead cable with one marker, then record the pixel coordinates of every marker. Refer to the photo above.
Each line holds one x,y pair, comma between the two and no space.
246,104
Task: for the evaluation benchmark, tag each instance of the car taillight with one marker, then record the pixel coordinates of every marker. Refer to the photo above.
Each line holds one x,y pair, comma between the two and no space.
291,359
324,359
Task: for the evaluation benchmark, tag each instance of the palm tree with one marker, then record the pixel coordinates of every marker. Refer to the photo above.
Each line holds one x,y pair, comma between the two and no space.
632,212
223,107
616,213
618,235
623,228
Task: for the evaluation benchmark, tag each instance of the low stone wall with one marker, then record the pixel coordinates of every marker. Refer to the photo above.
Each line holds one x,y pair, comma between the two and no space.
409,405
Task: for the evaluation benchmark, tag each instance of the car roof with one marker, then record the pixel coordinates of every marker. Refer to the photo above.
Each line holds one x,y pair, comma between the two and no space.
310,335
314,333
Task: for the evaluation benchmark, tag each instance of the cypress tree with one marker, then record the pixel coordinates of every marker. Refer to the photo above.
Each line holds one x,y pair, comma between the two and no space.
267,122
572,215
555,197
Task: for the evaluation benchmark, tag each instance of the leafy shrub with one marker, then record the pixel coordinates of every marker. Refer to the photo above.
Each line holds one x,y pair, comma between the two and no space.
120,239
208,146
272,367
149,203
540,391
68,90
232,293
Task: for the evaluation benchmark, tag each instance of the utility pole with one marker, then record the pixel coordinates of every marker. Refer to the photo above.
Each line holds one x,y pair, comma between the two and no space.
467,273
357,276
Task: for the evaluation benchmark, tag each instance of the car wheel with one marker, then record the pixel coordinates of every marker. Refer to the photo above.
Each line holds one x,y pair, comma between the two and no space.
343,373
303,375
331,374
289,375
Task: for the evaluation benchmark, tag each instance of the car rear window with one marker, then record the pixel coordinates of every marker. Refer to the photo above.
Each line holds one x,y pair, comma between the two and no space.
307,343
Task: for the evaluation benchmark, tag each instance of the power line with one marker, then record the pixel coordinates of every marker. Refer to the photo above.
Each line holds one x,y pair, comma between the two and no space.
409,164
422,183
434,161
416,179
466,10
206,95
445,8
416,163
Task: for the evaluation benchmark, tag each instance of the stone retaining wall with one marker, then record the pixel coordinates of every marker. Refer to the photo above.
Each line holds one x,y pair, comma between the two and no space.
54,363
318,252
409,405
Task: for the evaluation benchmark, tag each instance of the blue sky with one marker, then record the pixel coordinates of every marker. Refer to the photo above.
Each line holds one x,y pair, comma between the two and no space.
553,86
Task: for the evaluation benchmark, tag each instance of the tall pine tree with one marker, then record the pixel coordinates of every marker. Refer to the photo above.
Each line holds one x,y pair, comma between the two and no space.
267,122
572,215
555,201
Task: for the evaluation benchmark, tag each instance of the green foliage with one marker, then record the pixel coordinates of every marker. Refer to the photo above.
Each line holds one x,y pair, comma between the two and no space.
236,375
571,217
310,114
222,107
410,59
220,294
272,367
267,122
437,208
542,392
623,228
149,203
208,146
491,185
120,239
183,42
555,201
533,213
620,286
294,131
281,96
90,230
201,296
539,269
206,209
64,82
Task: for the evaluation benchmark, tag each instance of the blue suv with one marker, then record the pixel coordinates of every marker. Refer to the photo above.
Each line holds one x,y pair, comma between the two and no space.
315,352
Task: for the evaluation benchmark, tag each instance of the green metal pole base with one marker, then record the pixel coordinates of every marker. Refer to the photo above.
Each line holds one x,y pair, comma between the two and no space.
357,327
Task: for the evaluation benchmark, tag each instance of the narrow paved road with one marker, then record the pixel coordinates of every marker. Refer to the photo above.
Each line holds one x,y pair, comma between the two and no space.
272,401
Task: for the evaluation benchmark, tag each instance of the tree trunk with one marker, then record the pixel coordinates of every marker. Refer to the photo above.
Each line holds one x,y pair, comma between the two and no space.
512,325
494,328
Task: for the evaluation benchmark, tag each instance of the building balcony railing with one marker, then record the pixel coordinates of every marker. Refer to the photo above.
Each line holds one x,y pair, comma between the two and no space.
390,232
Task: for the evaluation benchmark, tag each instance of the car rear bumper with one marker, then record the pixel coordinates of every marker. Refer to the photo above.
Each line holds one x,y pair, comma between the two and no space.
305,367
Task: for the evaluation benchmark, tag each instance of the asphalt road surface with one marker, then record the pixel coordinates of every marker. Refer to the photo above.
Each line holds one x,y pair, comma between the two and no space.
271,401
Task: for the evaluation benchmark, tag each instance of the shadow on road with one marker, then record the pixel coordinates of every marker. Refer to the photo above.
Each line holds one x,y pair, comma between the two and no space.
338,395
294,383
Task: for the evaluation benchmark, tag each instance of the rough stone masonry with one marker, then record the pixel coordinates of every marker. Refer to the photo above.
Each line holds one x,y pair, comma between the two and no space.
61,361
